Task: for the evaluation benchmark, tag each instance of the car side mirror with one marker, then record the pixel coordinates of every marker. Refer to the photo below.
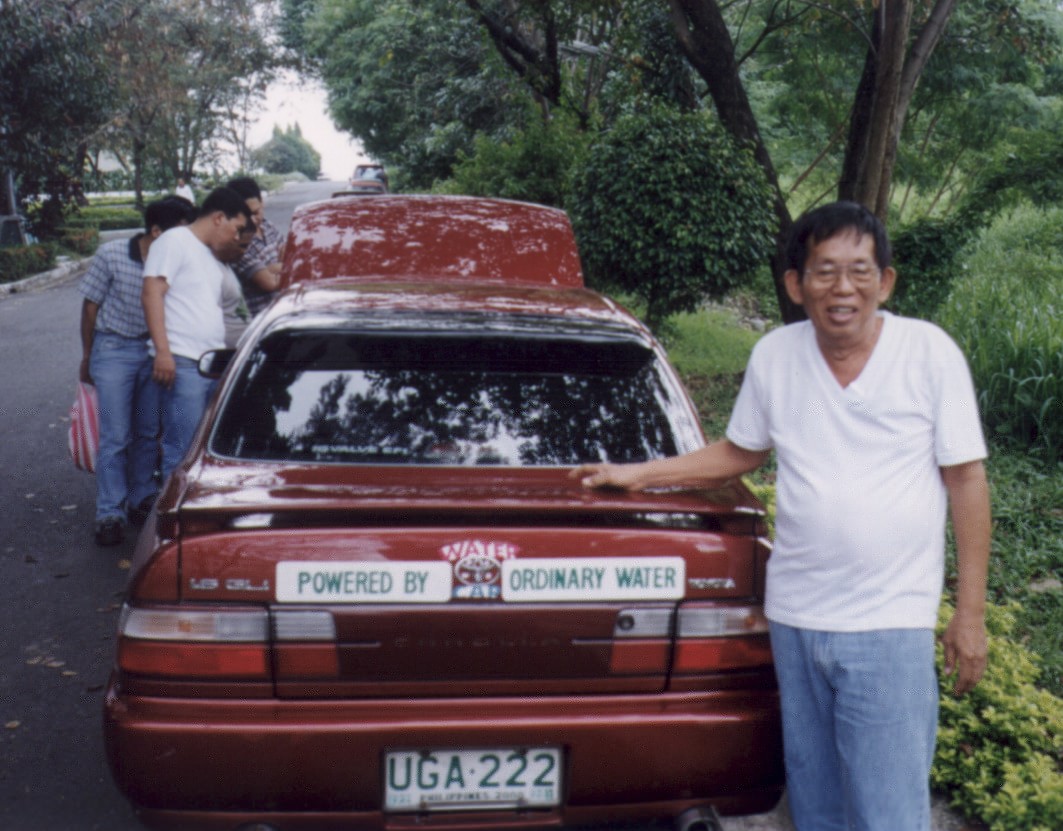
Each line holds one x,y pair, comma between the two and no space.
214,363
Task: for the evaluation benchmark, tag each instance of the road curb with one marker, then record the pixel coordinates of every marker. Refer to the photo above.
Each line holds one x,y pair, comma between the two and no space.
44,279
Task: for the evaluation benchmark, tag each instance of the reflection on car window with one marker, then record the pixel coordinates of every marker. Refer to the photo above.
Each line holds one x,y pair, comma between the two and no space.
373,399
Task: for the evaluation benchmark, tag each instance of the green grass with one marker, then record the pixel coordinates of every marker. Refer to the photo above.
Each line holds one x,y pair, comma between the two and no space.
709,343
1005,315
710,350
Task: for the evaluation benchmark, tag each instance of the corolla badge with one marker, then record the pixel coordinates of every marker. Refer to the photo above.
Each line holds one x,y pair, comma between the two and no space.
477,566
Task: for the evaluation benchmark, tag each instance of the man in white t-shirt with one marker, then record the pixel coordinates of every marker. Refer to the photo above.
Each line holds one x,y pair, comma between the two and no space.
874,422
184,190
182,296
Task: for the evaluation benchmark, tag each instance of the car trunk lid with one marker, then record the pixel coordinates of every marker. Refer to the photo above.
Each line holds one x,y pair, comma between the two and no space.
466,581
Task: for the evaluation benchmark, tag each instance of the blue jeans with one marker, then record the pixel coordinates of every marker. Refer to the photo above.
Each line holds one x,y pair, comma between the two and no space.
183,405
859,713
128,454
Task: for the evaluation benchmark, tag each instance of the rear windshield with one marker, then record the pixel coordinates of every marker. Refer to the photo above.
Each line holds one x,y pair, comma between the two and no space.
453,399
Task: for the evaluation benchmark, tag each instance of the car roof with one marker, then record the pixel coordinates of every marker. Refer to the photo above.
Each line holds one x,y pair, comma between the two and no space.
446,239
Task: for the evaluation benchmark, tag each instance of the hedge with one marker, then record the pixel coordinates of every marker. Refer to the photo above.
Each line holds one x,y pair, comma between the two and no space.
19,261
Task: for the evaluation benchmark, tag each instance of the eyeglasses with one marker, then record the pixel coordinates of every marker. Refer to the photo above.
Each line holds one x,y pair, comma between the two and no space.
860,274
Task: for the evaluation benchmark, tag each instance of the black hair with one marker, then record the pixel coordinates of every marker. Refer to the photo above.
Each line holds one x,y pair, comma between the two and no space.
830,220
169,212
226,200
245,186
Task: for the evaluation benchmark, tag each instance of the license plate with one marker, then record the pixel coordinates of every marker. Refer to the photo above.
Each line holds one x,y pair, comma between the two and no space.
442,780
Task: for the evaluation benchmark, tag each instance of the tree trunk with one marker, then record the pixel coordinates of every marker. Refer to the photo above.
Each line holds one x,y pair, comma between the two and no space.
880,105
706,42
77,184
867,171
138,172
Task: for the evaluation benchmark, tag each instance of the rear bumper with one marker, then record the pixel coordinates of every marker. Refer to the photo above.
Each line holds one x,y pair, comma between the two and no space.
188,763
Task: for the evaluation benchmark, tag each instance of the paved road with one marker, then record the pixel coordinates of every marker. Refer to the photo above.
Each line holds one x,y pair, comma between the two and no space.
60,593
281,203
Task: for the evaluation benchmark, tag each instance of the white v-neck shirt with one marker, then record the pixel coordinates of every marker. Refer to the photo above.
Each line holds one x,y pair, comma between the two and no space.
861,506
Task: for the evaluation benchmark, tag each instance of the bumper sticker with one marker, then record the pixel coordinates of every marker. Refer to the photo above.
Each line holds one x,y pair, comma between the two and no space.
363,582
593,578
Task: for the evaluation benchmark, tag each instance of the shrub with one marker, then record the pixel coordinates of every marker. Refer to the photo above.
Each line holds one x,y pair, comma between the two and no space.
926,257
1005,316
669,208
1000,746
83,241
107,218
21,261
533,166
1026,494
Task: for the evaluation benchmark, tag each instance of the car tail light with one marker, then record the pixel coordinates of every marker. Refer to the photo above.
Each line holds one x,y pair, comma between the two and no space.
306,645
707,639
193,644
720,638
642,641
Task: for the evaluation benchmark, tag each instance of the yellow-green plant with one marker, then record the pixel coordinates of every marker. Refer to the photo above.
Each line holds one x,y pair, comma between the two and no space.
1000,747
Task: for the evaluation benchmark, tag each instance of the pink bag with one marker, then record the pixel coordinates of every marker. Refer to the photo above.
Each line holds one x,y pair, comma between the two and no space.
84,438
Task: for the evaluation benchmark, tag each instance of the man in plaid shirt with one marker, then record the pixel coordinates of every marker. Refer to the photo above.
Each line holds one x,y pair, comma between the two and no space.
115,360
259,269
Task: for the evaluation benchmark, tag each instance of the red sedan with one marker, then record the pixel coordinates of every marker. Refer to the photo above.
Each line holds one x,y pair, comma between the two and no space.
372,598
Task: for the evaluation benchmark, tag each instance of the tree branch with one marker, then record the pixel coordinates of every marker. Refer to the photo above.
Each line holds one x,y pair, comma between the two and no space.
928,38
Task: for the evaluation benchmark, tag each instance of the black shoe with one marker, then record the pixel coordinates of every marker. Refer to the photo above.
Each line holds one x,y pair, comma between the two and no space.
110,532
139,515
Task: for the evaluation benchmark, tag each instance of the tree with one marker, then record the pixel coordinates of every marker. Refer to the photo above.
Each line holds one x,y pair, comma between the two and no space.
54,95
874,100
532,51
896,39
207,60
412,79
288,152
565,52
897,51
231,60
669,208
929,247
